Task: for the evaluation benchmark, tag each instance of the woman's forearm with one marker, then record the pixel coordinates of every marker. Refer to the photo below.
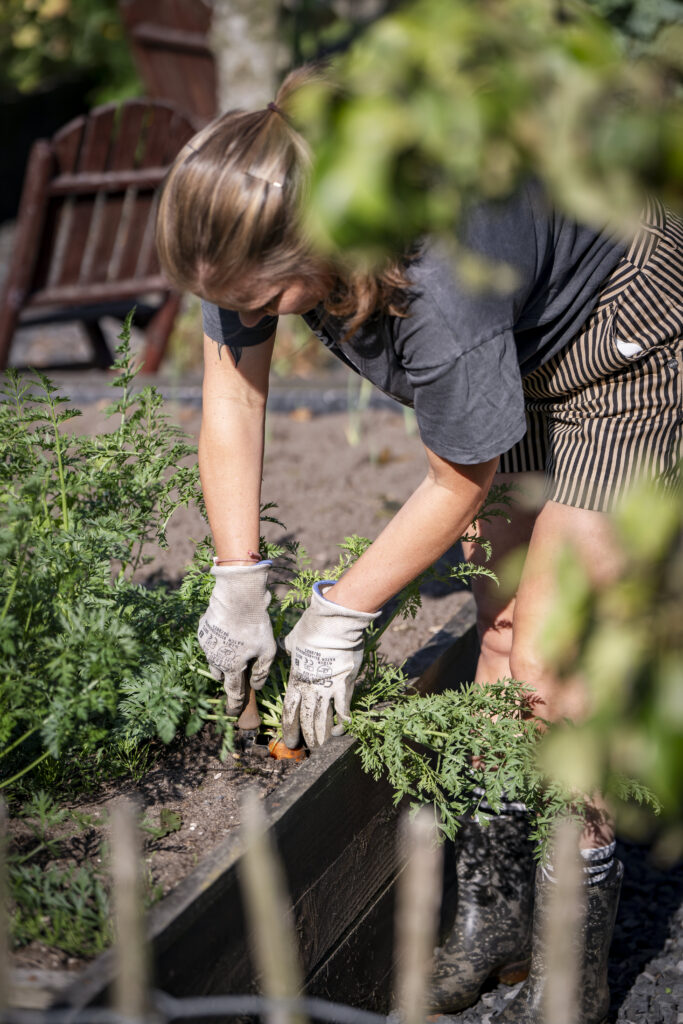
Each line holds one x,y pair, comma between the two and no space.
230,466
434,517
231,446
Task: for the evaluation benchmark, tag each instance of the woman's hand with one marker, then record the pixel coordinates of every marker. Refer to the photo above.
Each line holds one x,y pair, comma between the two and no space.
326,647
235,632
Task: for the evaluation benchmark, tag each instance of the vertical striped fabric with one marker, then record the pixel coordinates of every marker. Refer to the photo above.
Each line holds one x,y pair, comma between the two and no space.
606,410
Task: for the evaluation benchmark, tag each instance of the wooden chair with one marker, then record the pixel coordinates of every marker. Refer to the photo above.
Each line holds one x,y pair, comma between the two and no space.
84,244
171,51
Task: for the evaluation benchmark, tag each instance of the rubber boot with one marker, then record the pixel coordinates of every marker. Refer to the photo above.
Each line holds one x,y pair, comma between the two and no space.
491,934
594,940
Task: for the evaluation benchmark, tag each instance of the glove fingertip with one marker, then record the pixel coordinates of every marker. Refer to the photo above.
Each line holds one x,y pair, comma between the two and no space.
307,722
291,730
323,720
259,671
291,736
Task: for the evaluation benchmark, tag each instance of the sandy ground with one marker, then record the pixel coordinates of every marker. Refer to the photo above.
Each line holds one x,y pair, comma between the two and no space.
325,489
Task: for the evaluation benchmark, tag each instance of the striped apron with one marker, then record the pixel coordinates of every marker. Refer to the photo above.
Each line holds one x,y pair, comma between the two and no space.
606,410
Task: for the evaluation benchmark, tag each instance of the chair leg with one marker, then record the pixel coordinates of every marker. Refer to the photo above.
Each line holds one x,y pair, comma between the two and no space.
102,354
26,243
158,332
8,325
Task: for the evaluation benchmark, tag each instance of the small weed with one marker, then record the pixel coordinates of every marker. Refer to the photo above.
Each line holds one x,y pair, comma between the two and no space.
169,822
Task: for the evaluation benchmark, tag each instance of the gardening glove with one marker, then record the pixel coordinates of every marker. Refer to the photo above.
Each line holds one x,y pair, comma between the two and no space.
326,647
235,631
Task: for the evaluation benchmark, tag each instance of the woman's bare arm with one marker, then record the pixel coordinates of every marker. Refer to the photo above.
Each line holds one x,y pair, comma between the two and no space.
231,445
432,519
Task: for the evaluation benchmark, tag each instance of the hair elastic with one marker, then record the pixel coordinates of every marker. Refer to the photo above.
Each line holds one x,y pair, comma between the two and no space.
250,555
274,107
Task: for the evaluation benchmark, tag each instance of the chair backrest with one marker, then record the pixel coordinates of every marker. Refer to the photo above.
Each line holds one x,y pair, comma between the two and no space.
97,237
170,48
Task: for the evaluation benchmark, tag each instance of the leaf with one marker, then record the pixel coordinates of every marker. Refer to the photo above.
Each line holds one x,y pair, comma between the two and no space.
169,822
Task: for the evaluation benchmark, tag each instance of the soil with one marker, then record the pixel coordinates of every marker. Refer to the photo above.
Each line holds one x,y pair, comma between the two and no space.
188,779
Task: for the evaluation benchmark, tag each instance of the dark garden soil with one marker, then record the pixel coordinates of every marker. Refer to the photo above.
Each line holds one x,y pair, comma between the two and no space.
188,780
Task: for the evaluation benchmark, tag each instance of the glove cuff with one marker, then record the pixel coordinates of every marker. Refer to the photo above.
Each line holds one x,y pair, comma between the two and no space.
325,607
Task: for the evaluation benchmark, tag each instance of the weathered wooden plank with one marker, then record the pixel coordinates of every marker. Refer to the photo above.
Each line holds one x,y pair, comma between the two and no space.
346,887
106,181
92,157
360,970
158,332
178,39
171,49
135,221
74,294
173,138
67,144
128,130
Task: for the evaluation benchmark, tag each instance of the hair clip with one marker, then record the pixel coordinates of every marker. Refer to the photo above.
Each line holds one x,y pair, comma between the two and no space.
275,184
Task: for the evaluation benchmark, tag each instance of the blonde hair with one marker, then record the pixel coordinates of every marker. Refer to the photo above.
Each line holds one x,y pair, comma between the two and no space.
230,216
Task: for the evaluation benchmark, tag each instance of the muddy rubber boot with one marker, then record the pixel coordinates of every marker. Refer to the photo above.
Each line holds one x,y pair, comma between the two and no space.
491,935
602,900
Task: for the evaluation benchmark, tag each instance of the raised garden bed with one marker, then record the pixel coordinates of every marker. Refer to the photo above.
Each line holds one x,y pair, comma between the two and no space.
335,829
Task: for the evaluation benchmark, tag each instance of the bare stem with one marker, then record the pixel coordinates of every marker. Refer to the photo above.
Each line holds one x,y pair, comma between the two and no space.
417,915
24,771
270,916
131,999
8,750
4,924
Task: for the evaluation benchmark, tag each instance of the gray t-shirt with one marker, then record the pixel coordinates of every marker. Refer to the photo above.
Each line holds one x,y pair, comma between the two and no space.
459,356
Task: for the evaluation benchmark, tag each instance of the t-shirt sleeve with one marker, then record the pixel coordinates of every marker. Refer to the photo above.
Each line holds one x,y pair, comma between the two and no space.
225,328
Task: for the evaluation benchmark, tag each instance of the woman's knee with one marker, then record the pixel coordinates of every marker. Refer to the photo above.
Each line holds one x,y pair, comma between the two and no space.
495,634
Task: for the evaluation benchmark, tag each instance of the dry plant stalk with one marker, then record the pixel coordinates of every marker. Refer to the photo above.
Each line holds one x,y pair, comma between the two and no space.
132,977
4,923
273,937
418,901
563,924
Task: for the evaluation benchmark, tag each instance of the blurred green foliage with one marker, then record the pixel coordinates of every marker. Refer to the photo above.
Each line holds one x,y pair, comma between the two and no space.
625,639
313,29
44,40
443,101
